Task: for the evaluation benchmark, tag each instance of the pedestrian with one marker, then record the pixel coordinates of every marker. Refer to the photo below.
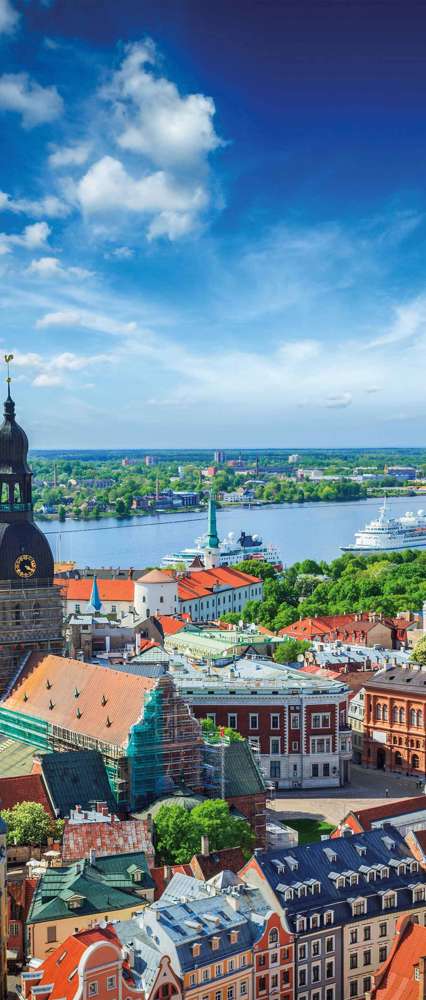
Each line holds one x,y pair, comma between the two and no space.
387,793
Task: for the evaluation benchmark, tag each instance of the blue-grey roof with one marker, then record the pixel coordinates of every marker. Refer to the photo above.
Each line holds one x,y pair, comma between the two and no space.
147,956
326,860
199,920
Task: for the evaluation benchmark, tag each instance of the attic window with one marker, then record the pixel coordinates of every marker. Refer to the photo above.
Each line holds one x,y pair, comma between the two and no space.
48,684
233,937
76,693
104,700
25,696
108,721
196,948
215,943
51,705
79,713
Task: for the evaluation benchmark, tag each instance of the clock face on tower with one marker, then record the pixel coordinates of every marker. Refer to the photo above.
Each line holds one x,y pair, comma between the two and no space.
25,565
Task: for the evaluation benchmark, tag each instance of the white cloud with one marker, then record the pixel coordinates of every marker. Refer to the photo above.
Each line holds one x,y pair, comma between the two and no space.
69,156
108,188
36,104
55,371
88,320
155,120
9,17
409,321
51,267
122,253
49,206
338,402
47,379
31,238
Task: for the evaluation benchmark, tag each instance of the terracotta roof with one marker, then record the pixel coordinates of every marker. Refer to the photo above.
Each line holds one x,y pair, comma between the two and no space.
389,810
115,837
28,788
230,858
59,966
156,576
345,626
49,684
395,979
170,625
420,836
109,590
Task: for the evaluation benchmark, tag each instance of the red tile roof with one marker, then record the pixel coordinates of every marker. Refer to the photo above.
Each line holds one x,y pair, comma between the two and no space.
115,837
59,966
200,583
389,810
352,627
109,590
108,701
170,625
25,788
396,979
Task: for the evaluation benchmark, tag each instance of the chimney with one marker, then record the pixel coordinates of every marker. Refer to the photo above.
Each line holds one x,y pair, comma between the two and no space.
92,856
167,873
205,850
149,823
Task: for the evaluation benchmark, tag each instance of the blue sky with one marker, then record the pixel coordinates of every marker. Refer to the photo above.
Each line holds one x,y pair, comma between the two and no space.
213,221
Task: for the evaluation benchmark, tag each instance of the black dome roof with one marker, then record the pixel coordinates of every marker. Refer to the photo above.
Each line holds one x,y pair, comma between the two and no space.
24,538
13,442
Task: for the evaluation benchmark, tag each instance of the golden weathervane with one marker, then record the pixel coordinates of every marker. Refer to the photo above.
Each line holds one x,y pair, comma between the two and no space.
8,358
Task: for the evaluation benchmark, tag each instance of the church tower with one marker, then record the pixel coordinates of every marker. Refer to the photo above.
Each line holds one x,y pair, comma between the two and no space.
211,548
30,604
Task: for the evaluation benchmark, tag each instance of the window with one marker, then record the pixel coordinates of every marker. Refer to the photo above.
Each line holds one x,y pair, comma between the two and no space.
394,714
302,952
231,965
315,973
316,948
295,745
51,935
326,770
385,713
215,943
243,989
232,720
204,975
329,993
113,608
196,948
230,993
261,961
358,908
262,984
367,933
13,928
321,721
366,984
383,952
254,721
218,995
212,716
302,977
366,958
401,715
274,982
218,970
328,918
413,717
192,979
111,982
353,960
353,988
353,937
315,770
320,744
274,958
329,945
275,721
275,745
329,969
242,961
273,936
93,988
383,930
389,900
295,720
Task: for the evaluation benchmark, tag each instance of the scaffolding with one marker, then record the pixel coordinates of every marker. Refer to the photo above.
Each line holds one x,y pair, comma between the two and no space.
31,618
165,749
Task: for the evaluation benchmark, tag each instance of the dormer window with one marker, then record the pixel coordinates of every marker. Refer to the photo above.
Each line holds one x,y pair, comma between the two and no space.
215,943
328,918
315,921
301,924
75,902
418,893
233,937
389,900
414,867
353,879
359,907
196,949
289,894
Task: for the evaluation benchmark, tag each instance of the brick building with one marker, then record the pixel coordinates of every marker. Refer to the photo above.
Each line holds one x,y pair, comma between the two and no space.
364,628
395,720
296,723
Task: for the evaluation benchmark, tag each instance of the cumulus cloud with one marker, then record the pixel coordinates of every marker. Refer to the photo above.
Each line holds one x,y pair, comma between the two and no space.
49,206
170,129
338,402
54,371
51,267
36,104
9,17
31,238
108,188
69,156
88,320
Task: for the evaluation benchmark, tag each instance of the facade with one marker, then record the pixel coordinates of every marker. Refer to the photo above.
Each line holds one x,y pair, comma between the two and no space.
3,912
149,740
405,815
296,723
30,606
341,899
202,595
360,628
78,896
395,720
403,974
92,964
356,722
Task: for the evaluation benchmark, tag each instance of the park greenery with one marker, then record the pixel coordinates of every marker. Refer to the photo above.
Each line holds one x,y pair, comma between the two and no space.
29,824
178,831
384,583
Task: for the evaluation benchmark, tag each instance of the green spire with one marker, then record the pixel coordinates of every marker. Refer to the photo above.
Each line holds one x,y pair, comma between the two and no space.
212,535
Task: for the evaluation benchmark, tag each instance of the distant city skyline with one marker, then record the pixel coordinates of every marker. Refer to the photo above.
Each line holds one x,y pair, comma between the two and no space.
213,222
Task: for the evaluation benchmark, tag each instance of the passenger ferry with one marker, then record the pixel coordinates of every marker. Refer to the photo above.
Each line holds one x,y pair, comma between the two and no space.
386,534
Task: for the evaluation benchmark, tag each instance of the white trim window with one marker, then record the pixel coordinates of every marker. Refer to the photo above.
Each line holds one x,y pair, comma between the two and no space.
254,720
275,745
111,982
320,744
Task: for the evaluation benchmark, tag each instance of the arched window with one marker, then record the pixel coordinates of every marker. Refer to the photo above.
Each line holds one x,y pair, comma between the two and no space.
419,717
16,493
395,715
385,713
415,762
379,713
412,717
401,716
394,741
273,936
398,759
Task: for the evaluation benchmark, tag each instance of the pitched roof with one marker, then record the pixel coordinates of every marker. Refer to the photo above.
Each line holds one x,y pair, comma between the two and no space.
400,679
342,625
16,758
108,590
27,788
242,775
231,858
105,838
396,977
103,886
156,576
82,697
58,968
77,777
170,625
389,811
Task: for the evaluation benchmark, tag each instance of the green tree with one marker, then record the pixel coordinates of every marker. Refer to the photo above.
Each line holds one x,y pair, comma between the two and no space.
28,823
419,654
179,832
288,651
256,567
61,513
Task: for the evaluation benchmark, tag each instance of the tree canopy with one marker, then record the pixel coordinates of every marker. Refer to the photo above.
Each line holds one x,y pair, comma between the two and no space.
29,823
179,831
419,654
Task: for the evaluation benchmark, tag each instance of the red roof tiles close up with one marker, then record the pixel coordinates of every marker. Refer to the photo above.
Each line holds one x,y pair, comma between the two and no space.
25,788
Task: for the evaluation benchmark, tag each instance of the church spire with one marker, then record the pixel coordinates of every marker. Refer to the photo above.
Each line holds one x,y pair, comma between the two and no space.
212,535
95,602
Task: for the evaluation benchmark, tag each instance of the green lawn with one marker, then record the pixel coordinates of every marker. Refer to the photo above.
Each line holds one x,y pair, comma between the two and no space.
310,829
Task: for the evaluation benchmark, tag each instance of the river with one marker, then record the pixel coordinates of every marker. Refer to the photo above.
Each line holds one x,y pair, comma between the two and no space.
299,531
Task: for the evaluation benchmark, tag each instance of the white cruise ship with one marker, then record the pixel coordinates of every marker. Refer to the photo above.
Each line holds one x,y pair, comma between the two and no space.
390,533
228,551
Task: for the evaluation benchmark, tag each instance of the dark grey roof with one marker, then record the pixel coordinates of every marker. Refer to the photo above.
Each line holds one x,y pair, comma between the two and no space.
242,775
77,777
400,680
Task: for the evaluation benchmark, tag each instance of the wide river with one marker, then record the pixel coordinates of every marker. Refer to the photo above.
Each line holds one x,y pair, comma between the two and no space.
299,531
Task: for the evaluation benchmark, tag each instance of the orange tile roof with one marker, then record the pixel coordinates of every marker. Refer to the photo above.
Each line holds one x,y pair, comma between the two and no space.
170,625
109,590
114,837
57,968
155,576
54,680
395,979
25,788
202,582
389,810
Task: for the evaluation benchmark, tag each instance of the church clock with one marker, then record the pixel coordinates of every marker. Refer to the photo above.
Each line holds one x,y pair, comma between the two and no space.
25,565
